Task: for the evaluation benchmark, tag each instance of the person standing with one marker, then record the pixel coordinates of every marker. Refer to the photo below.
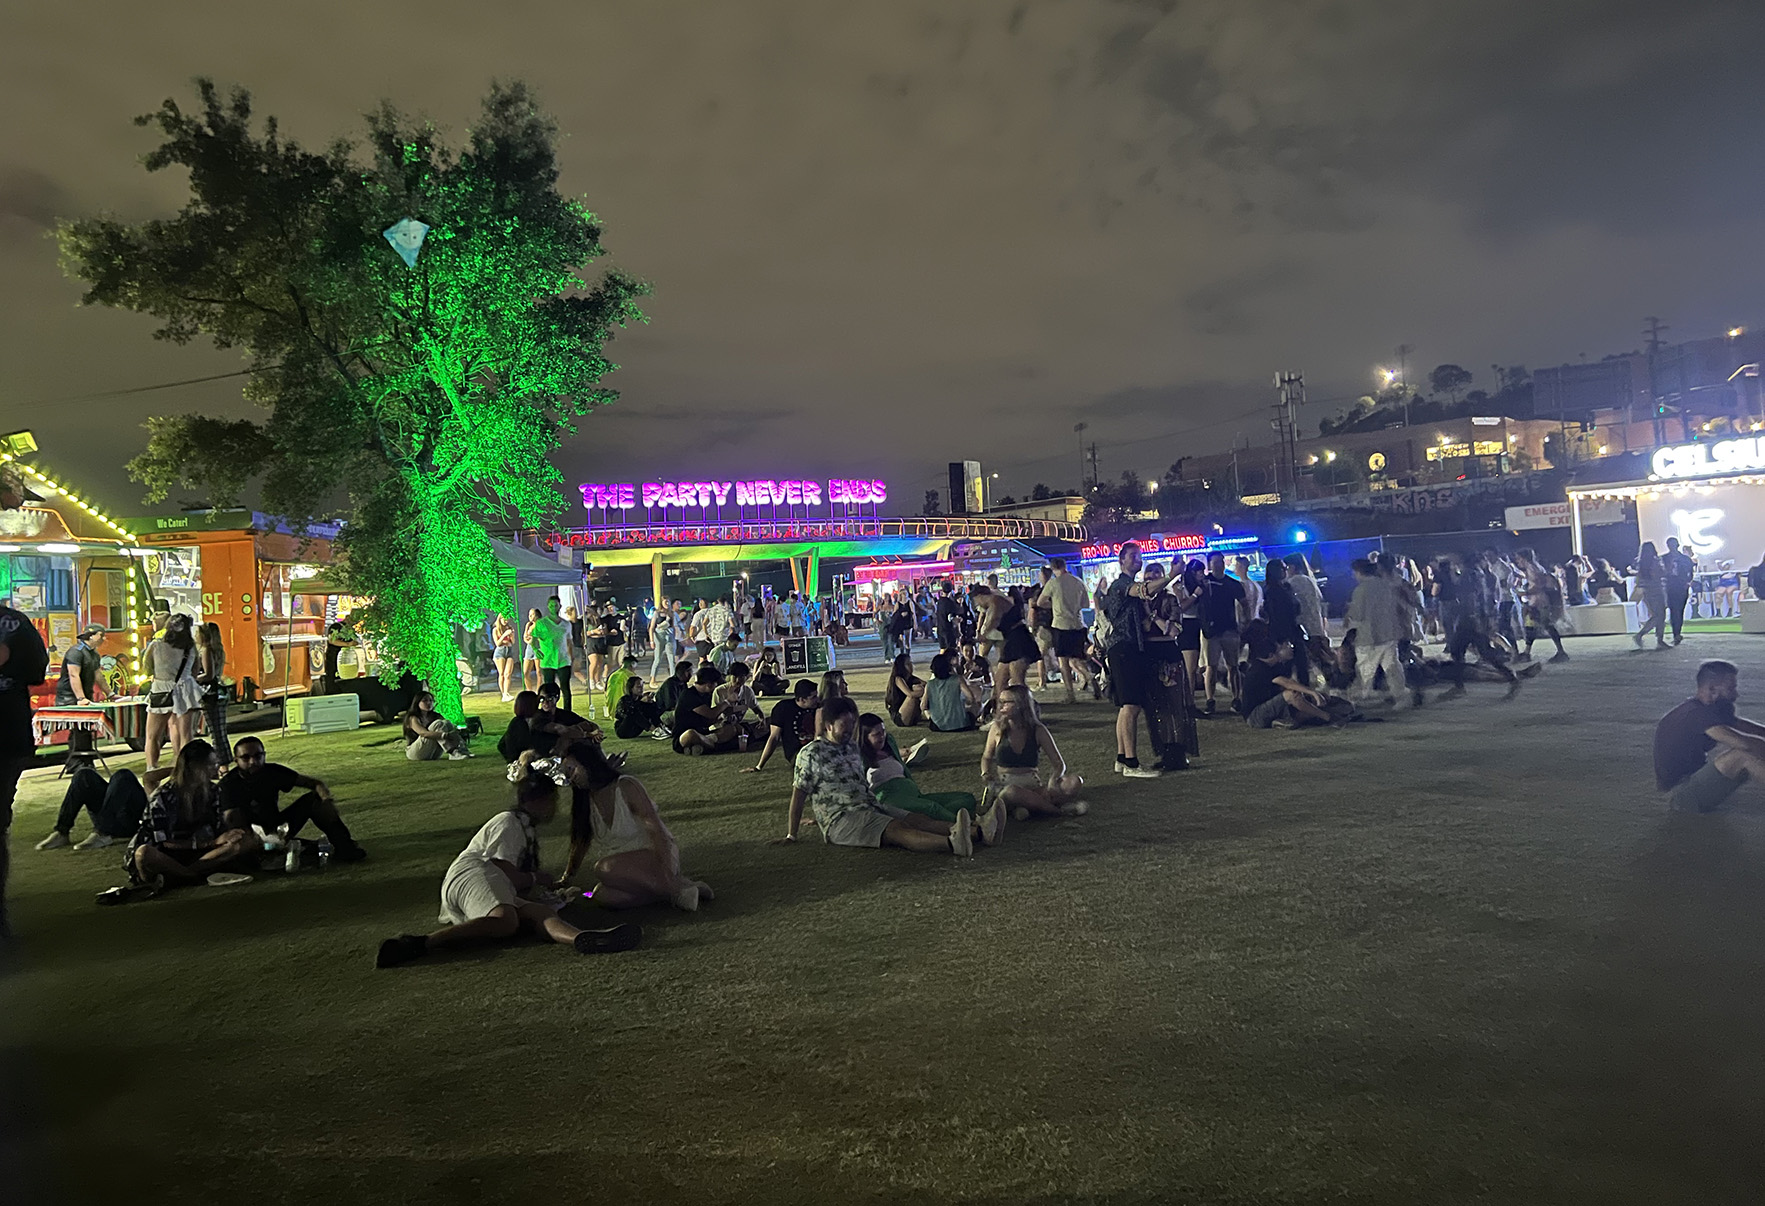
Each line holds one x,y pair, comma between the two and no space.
1379,621
24,661
529,655
551,648
948,615
173,696
1651,590
1125,656
79,668
212,678
1280,607
662,638
1677,569
1223,603
1544,604
1064,597
502,639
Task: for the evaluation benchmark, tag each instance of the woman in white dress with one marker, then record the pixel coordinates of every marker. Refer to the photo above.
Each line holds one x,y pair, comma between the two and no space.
637,860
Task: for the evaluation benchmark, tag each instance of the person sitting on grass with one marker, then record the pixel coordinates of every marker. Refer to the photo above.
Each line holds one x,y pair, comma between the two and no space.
250,794
428,734
791,725
951,702
668,694
885,770
736,699
767,679
728,653
115,808
485,896
616,683
829,780
1011,762
1273,698
637,860
833,686
1702,726
636,716
905,695
180,840
700,726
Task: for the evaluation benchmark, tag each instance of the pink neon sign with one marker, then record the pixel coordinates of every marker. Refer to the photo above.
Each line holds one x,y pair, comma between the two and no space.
790,492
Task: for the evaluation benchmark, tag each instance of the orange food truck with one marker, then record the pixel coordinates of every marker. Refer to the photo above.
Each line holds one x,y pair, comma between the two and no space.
264,585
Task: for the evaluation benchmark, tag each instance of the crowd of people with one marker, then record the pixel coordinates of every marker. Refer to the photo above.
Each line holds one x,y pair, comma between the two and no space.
1170,644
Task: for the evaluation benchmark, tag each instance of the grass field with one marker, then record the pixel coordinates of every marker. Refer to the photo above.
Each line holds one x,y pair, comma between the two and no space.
1460,956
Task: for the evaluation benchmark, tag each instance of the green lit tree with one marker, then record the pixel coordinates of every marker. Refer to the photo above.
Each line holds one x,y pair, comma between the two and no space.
415,381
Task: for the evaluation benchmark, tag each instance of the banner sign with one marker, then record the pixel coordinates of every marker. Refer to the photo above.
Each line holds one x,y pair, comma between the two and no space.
1561,515
703,496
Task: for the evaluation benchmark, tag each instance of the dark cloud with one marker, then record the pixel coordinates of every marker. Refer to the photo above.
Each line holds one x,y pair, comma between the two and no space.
901,234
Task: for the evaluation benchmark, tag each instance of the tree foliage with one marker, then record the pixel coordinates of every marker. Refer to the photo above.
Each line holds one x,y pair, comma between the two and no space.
419,403
1449,379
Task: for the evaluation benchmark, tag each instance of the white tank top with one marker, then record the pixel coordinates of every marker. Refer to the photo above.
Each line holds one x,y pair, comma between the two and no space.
624,832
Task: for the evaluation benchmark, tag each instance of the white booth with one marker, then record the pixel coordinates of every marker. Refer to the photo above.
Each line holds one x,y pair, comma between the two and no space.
1710,495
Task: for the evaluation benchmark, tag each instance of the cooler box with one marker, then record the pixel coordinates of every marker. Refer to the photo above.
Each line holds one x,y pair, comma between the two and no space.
323,713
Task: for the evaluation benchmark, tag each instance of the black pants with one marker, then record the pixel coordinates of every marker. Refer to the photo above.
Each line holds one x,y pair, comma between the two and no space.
214,711
1676,599
303,809
10,769
946,636
115,807
561,676
1468,634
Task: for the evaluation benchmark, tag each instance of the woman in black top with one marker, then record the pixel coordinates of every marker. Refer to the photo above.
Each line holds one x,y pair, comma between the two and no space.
1280,607
905,696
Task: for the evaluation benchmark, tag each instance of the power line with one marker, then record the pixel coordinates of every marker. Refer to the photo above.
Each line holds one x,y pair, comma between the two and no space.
144,389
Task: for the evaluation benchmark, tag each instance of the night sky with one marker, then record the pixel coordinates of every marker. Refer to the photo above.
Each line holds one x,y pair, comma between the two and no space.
886,236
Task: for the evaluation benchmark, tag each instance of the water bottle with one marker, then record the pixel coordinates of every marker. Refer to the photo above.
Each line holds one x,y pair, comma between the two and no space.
291,863
324,853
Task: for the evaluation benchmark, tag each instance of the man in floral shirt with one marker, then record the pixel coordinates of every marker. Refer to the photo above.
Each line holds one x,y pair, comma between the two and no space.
830,780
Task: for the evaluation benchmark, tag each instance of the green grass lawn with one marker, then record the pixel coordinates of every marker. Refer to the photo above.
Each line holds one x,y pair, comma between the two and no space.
1462,956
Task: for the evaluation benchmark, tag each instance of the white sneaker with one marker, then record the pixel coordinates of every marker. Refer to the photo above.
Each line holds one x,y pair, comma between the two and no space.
961,835
458,756
992,821
915,750
687,898
55,841
1141,772
508,699
96,841
1077,808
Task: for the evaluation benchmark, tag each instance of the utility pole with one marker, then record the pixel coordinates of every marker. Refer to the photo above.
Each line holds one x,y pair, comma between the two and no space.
1653,334
1079,430
1291,388
1095,480
1403,377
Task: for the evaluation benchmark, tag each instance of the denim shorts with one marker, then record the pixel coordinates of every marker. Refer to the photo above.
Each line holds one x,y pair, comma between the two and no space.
1705,790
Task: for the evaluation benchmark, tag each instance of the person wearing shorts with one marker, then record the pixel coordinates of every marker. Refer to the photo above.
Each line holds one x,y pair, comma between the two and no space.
830,780
1222,612
486,894
1130,670
1703,750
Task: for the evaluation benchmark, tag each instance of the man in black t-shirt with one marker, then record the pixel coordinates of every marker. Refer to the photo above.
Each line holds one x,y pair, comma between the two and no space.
1686,737
948,613
251,792
24,660
791,725
1272,697
1222,599
699,726
1677,568
79,668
